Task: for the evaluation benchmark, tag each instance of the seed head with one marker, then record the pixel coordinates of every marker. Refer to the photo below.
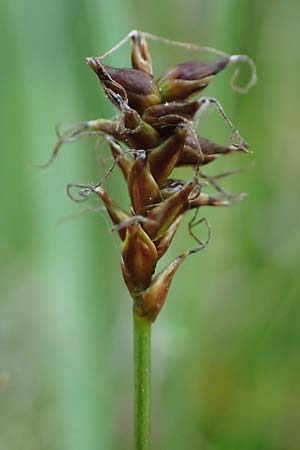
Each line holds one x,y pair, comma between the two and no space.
153,134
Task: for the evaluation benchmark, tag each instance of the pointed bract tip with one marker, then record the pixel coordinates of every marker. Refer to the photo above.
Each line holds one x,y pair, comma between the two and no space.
154,297
91,62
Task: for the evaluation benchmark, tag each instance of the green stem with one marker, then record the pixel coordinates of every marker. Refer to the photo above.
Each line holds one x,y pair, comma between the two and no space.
142,374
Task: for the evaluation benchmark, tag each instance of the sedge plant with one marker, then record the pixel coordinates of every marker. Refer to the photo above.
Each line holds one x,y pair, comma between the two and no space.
153,133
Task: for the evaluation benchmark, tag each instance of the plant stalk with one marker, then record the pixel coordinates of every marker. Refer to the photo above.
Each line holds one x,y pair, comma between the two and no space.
142,375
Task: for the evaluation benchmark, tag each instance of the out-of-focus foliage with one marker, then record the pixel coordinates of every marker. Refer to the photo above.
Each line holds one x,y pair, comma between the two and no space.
226,346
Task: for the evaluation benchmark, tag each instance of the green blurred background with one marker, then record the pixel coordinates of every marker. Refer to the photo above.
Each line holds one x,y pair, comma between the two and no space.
226,369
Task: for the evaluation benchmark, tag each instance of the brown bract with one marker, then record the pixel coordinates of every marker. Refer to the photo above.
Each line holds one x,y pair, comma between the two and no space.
186,79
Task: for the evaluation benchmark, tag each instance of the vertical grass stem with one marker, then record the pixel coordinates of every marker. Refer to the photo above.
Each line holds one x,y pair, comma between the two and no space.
142,375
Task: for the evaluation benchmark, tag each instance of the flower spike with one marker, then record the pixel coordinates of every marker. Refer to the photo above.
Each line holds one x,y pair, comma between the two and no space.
153,134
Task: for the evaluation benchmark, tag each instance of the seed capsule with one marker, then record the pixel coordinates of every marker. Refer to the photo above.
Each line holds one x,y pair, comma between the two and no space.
163,158
133,132
117,214
139,256
163,215
121,85
164,242
142,187
137,133
154,297
203,151
171,114
186,79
